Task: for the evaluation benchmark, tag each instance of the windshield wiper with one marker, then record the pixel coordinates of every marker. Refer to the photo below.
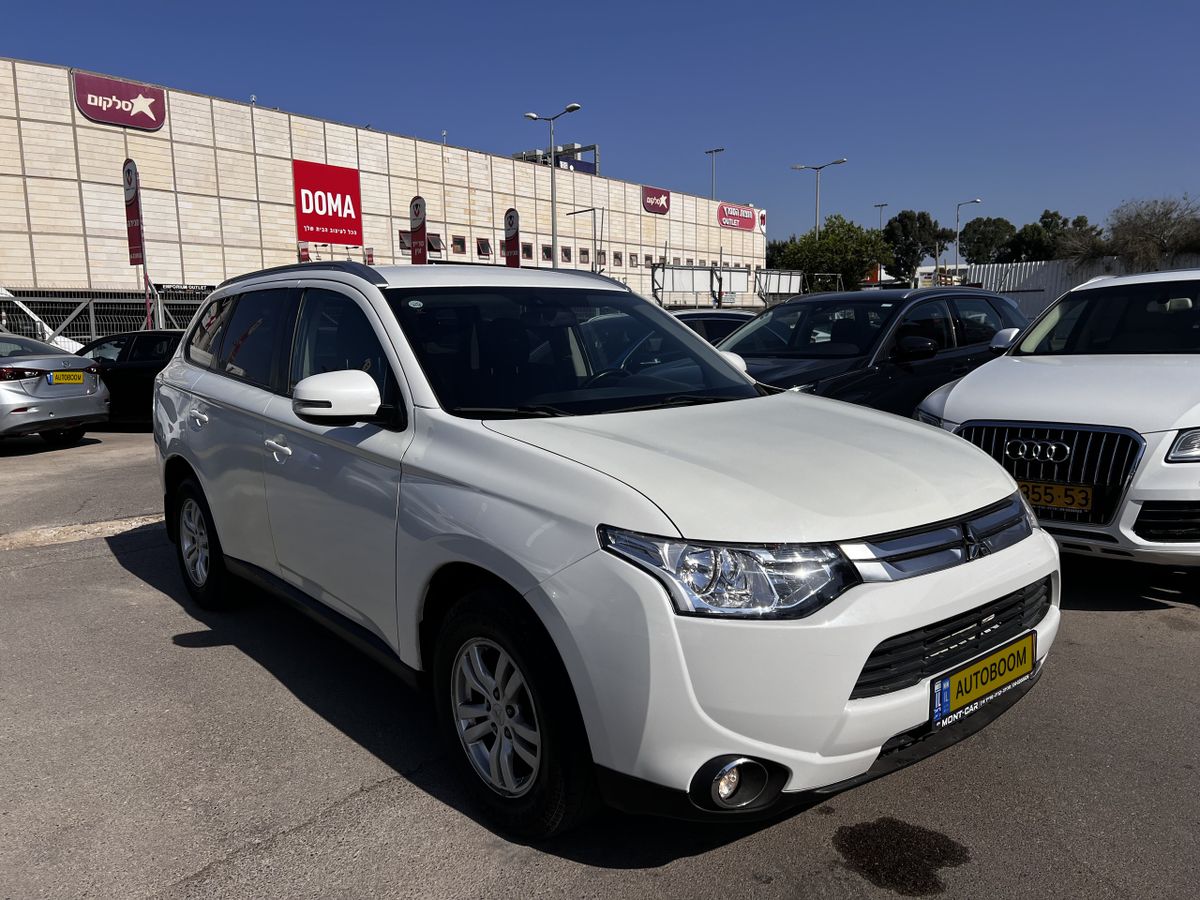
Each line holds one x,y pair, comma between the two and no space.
675,400
536,411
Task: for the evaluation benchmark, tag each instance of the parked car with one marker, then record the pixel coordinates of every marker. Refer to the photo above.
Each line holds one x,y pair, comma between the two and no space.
128,363
885,349
48,392
1096,413
714,325
556,536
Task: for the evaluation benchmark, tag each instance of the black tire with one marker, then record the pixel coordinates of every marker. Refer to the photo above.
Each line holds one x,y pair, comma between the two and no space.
63,437
563,791
211,591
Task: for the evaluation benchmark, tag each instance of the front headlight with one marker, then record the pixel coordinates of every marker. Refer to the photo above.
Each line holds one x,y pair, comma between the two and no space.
928,418
785,581
1186,447
1030,515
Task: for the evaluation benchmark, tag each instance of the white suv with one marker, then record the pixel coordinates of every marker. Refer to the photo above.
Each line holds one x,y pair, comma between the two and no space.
1096,413
625,572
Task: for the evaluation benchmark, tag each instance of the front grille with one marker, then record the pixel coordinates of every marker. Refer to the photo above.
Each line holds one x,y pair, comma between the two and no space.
1102,458
1169,521
906,659
930,548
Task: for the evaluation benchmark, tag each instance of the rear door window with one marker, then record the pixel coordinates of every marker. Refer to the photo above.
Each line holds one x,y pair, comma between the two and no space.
252,340
205,341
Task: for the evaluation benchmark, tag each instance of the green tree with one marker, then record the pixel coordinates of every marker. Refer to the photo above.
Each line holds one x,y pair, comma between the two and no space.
984,238
775,251
1030,244
844,249
911,236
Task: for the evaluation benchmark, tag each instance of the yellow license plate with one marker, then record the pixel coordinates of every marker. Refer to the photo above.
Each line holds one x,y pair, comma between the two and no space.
66,378
959,693
1057,496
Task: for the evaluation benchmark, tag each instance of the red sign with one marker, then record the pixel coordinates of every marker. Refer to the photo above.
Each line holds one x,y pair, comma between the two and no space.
512,239
762,221
302,253
124,103
416,219
743,218
656,200
133,213
369,253
327,203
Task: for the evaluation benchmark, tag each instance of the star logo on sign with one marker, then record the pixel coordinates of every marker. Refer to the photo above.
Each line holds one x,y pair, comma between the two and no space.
141,104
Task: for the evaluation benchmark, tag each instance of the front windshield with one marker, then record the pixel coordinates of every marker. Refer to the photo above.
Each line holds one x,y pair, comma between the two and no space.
13,346
1157,317
833,328
513,352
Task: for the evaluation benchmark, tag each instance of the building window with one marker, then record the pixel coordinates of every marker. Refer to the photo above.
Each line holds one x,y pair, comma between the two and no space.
547,253
602,257
566,253
433,243
674,260
483,247
458,244
633,260
406,243
526,251
688,262
618,259
584,256
648,259
702,262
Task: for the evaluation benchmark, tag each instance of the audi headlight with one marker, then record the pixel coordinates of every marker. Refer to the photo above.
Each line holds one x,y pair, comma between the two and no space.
784,581
1186,447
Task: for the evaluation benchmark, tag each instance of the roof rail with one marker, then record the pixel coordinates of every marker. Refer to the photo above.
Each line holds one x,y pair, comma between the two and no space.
581,273
348,266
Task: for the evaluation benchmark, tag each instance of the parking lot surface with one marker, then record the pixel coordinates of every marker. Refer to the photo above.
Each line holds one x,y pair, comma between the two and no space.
148,748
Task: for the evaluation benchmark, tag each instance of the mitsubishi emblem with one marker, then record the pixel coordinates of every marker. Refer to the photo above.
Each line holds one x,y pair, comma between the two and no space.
973,545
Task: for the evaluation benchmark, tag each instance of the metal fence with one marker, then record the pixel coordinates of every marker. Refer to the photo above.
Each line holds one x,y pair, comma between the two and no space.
69,319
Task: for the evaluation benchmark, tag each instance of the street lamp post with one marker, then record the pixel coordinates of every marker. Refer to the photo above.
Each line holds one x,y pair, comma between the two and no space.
958,230
534,117
712,155
879,266
817,169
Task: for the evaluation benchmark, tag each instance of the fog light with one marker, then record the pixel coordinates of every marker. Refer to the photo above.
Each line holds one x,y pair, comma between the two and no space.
727,784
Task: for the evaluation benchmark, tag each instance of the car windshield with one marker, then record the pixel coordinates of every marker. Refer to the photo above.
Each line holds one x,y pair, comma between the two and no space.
516,352
13,346
833,328
1156,317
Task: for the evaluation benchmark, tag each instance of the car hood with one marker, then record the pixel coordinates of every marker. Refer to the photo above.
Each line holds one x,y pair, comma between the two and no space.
786,373
784,468
1142,392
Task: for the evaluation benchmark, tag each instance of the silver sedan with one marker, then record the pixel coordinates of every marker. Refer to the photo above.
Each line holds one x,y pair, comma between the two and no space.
47,391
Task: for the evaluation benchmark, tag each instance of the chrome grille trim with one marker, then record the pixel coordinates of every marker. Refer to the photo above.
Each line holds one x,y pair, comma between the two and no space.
931,548
1101,456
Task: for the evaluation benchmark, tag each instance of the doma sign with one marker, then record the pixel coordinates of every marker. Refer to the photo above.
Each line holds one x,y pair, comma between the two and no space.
328,204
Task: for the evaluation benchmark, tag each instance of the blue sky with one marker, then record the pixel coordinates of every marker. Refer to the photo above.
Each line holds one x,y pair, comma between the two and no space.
1068,105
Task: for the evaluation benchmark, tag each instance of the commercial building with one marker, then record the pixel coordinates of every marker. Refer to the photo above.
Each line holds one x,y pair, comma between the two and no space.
219,195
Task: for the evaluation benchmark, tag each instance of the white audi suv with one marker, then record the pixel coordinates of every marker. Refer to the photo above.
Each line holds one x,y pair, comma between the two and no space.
1095,412
625,571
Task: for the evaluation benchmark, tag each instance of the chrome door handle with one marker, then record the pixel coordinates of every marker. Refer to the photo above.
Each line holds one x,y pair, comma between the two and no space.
199,418
278,449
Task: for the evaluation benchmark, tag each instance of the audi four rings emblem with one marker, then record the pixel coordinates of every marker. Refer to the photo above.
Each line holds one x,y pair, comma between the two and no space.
1038,451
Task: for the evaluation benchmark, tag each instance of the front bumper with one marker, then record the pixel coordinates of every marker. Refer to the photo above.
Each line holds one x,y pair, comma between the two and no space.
20,414
663,694
1154,480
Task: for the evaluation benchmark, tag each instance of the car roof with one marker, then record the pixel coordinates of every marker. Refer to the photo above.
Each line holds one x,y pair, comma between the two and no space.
732,313
1144,278
893,294
441,275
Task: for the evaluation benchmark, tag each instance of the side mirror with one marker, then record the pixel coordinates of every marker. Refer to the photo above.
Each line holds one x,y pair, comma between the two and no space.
349,395
1004,338
914,349
734,360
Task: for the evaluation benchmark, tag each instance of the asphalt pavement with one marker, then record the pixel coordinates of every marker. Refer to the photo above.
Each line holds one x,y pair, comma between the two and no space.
148,748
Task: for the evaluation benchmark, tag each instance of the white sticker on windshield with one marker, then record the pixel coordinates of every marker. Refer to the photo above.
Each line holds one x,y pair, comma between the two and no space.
415,304
886,305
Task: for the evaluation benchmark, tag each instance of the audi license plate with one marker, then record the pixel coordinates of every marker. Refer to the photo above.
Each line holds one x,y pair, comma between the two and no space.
1057,496
65,378
966,690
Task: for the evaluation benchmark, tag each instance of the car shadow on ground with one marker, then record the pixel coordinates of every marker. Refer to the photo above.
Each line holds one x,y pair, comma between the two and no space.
31,445
1117,585
393,722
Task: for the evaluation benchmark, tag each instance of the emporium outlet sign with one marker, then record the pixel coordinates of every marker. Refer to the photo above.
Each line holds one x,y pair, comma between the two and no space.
328,204
742,218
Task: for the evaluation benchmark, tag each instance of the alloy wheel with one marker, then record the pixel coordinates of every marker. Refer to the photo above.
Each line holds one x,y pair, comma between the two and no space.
193,541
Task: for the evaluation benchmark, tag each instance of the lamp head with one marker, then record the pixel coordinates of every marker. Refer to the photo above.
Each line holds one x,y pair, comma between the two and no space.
573,107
